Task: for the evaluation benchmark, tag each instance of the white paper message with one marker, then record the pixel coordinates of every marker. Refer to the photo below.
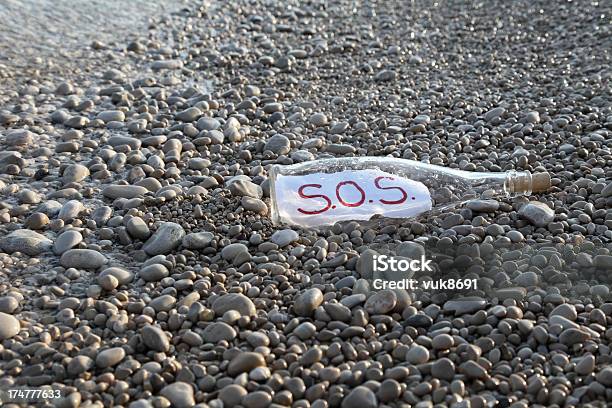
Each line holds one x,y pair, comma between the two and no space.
325,198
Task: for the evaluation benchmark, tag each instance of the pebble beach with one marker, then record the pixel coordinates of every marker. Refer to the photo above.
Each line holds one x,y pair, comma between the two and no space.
140,267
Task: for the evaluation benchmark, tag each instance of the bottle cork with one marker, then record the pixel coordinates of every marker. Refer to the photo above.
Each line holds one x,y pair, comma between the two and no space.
540,182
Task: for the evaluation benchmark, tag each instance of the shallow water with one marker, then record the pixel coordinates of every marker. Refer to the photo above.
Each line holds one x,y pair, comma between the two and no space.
48,29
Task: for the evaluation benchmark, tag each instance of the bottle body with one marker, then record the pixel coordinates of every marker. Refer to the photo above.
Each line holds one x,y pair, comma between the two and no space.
322,192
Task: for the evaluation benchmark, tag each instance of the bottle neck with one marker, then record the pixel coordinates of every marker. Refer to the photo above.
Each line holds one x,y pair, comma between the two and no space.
518,183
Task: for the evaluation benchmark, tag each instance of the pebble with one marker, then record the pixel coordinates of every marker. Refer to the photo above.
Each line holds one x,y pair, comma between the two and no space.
306,303
381,302
234,301
417,355
25,241
66,240
75,173
180,394
218,331
167,237
245,362
155,339
123,191
443,369
154,273
537,213
278,144
9,326
82,259
483,205
284,237
110,357
197,240
232,395
8,304
605,377
360,396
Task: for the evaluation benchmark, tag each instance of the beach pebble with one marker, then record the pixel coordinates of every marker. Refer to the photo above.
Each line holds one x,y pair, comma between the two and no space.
25,241
66,240
82,258
360,396
245,362
180,394
9,326
537,213
234,301
284,237
154,338
306,303
167,237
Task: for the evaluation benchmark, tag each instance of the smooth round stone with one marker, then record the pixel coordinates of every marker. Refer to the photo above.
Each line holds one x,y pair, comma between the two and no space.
28,197
218,331
600,290
163,303
232,394
305,330
8,304
167,237
197,240
82,259
25,241
284,237
586,365
154,338
70,210
9,326
123,191
258,339
137,228
111,116
232,251
443,369
154,273
110,357
515,236
189,114
389,390
75,173
381,302
537,213
37,221
254,204
442,342
257,399
318,119
605,377
180,394
79,365
278,144
473,370
108,282
565,310
360,397
208,124
306,303
244,188
417,354
67,240
234,301
245,362
483,205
